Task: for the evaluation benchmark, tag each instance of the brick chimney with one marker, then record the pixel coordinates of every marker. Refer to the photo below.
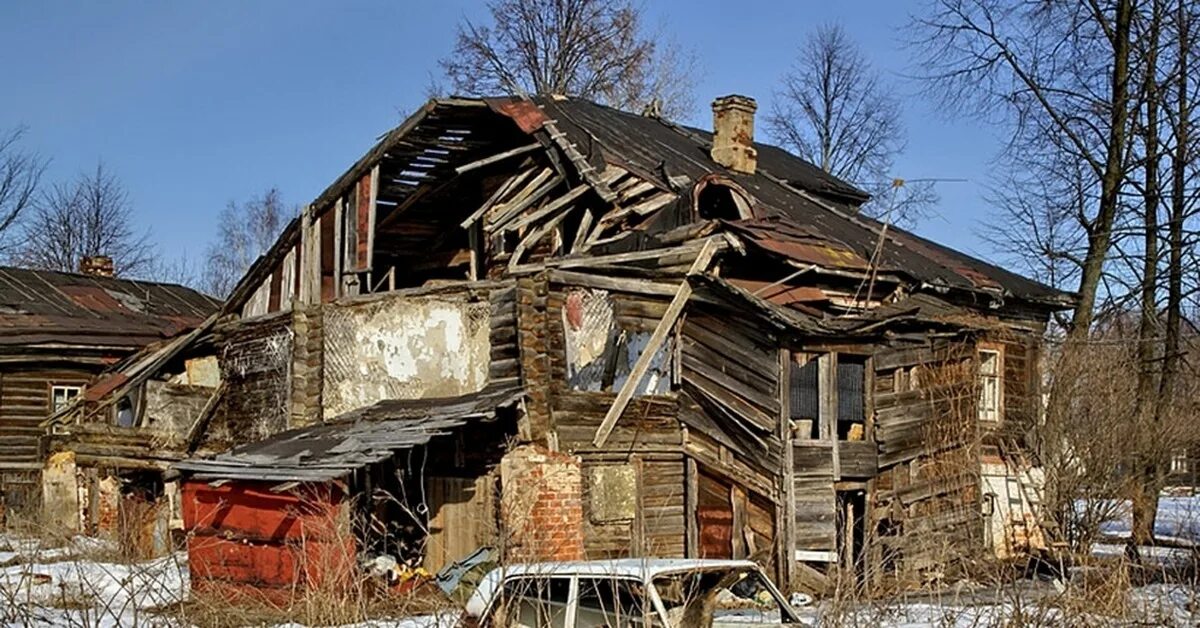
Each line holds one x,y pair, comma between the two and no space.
733,133
96,266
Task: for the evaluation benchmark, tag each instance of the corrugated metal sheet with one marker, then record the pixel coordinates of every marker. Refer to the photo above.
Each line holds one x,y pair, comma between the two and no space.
353,440
44,308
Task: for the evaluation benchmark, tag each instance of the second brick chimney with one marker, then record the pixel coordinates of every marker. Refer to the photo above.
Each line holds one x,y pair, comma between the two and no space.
96,266
733,133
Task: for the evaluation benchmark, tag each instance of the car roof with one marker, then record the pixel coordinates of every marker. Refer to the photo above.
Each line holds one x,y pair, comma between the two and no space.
641,569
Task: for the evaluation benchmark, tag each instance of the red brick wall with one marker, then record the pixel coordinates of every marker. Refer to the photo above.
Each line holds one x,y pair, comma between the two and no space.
541,505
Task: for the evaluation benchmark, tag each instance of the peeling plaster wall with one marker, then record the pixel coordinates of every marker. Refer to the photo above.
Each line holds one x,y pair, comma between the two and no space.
404,348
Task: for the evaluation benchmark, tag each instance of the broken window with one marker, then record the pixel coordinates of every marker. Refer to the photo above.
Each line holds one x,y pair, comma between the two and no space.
60,396
990,369
534,602
600,354
805,396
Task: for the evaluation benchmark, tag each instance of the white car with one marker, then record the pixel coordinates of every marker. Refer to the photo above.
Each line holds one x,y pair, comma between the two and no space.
666,593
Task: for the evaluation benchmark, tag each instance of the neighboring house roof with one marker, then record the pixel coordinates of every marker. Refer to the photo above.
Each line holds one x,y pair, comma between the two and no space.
55,310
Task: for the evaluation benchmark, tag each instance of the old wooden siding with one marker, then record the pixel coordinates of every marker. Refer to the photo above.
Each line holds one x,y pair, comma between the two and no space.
463,518
24,403
816,503
927,492
732,369
656,525
505,354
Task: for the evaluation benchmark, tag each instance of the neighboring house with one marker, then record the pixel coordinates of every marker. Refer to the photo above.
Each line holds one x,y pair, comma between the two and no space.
57,330
568,332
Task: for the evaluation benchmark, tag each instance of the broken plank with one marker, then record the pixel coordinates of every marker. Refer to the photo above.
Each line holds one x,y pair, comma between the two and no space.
504,188
682,294
549,208
498,157
514,209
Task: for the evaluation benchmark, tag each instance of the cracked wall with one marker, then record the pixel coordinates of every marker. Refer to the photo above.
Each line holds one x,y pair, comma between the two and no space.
403,348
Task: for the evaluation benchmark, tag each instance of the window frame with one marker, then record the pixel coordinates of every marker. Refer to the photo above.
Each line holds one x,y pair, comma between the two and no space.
54,388
997,414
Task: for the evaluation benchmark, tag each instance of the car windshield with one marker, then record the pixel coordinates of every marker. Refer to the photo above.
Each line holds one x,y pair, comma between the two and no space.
699,598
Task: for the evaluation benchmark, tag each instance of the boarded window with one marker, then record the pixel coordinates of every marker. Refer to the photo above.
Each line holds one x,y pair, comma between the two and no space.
612,493
600,354
989,385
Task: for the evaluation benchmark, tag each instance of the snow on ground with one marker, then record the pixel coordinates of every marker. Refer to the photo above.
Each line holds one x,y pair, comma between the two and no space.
81,584
1178,519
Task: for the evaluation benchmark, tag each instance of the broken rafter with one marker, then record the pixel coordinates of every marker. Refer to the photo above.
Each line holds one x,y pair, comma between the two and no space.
585,169
533,238
487,161
661,332
523,201
504,188
548,209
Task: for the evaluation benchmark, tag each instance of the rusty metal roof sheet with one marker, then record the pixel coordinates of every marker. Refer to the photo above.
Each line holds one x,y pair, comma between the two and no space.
55,309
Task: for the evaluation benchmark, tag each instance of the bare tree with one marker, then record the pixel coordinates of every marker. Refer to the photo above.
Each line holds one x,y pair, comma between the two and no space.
588,48
1057,74
245,231
833,109
20,174
85,217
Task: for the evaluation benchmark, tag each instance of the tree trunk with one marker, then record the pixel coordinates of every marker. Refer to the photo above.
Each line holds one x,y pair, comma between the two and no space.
1100,229
1144,488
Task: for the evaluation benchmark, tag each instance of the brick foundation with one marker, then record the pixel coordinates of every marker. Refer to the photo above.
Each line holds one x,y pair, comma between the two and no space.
541,505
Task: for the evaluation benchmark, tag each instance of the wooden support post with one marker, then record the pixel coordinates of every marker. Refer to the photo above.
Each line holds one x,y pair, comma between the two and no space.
691,501
682,294
785,536
737,502
827,374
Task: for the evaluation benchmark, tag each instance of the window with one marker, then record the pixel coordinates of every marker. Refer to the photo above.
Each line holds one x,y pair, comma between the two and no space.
805,397
60,396
533,602
600,354
851,373
990,390
609,602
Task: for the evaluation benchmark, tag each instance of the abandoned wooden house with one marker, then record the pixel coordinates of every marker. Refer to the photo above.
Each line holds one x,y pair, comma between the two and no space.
57,330
560,330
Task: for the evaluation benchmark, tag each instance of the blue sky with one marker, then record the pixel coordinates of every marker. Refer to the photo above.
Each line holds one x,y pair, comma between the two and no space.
197,104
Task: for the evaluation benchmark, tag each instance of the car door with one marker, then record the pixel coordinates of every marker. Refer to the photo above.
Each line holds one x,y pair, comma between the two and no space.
610,602
532,602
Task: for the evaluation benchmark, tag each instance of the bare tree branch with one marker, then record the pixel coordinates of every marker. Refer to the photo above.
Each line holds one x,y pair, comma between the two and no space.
587,48
86,217
245,231
833,110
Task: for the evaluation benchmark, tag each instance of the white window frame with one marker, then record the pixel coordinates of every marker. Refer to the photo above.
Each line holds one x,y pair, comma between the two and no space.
994,413
69,392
